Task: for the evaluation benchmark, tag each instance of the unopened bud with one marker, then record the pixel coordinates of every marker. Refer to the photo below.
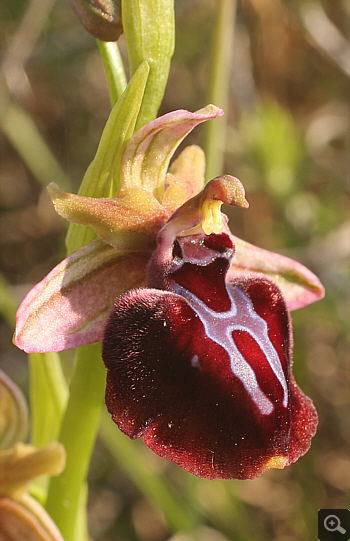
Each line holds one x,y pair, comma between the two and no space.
101,18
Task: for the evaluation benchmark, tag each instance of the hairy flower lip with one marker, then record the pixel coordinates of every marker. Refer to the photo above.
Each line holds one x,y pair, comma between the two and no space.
166,349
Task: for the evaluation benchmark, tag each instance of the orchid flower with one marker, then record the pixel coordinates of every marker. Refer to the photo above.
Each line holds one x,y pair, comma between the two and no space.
194,322
21,516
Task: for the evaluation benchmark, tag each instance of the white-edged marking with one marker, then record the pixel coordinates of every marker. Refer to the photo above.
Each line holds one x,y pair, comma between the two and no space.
244,318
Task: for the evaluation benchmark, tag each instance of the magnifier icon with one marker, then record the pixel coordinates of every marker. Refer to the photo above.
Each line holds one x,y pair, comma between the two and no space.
332,524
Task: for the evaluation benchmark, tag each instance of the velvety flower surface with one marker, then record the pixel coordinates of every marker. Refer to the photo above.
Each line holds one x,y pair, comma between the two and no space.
198,336
200,365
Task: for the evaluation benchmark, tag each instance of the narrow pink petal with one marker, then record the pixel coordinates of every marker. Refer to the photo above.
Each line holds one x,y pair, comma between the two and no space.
69,307
298,284
147,154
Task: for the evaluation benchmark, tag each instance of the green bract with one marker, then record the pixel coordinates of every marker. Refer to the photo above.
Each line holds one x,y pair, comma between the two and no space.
149,29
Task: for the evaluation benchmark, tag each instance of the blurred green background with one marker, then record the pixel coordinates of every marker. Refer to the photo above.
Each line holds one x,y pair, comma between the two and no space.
287,139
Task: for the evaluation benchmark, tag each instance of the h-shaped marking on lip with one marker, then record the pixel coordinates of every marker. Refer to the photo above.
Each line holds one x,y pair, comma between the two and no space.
243,317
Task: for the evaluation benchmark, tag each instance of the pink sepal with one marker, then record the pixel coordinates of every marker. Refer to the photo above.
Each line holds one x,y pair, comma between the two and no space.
69,307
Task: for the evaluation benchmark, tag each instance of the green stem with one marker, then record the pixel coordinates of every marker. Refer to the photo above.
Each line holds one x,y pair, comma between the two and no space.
114,69
48,397
48,400
78,434
219,85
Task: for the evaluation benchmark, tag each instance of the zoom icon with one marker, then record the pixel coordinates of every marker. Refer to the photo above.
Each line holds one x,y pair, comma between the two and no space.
334,525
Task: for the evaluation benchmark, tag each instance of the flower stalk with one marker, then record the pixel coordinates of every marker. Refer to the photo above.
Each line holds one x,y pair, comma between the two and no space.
78,434
114,68
219,80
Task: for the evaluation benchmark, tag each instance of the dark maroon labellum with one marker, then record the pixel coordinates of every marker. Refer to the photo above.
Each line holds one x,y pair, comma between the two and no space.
201,368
